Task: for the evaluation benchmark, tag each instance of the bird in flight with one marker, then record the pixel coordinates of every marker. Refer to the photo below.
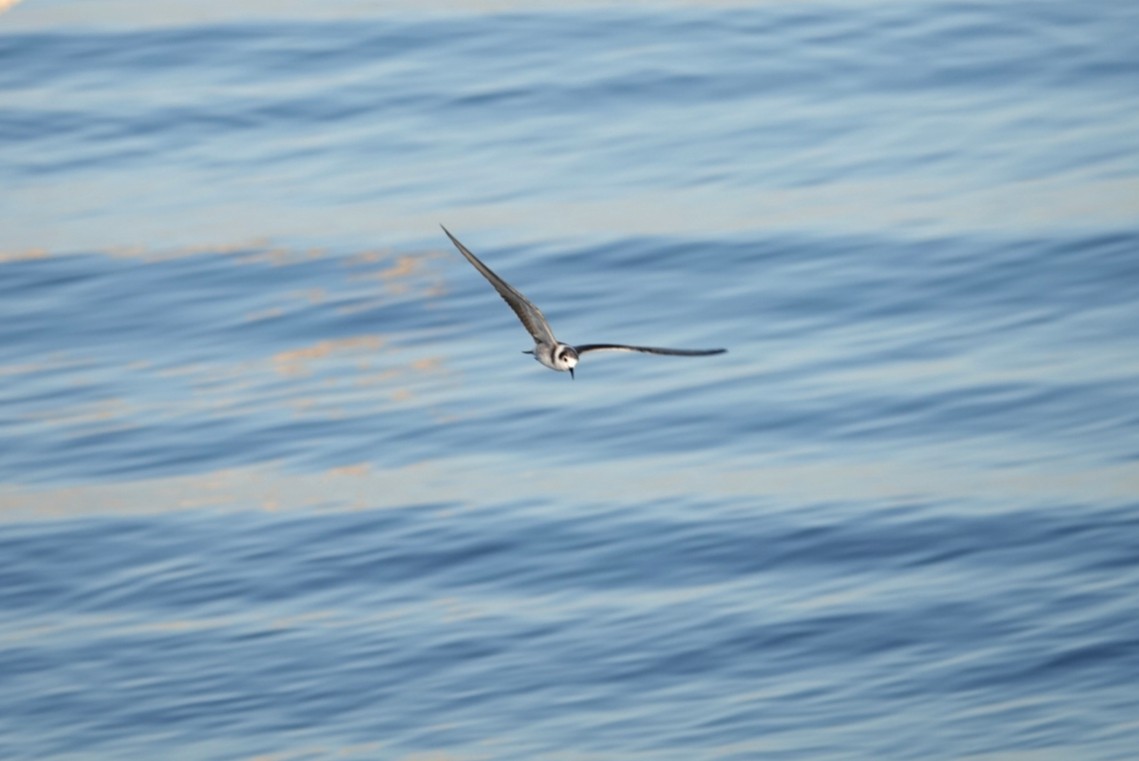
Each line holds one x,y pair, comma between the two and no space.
548,350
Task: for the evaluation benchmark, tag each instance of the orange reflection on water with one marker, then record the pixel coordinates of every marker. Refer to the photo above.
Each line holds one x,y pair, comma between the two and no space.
296,361
30,253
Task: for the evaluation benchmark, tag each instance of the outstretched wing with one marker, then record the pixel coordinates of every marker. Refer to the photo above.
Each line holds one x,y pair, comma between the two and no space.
530,316
584,348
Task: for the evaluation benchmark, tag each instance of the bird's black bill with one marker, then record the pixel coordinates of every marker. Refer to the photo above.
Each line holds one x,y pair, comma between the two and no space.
571,374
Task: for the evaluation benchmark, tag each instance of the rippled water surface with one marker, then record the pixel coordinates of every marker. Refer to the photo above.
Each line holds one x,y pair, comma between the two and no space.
276,481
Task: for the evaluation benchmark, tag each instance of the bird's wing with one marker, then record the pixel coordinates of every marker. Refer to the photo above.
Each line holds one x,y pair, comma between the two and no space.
585,348
530,316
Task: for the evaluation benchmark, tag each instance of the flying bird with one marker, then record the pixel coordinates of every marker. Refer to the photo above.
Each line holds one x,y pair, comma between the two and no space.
547,349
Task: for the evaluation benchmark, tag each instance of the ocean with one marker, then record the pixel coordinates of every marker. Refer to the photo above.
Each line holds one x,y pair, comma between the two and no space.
277,481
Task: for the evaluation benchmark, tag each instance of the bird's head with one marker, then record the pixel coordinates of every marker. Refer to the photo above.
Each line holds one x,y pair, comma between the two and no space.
565,358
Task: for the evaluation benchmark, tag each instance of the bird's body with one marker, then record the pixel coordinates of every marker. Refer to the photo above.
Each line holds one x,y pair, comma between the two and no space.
547,349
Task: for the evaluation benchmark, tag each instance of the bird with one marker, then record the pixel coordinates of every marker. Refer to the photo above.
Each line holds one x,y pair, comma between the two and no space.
547,349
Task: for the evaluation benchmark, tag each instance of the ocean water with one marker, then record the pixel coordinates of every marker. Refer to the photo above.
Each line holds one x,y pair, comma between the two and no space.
276,481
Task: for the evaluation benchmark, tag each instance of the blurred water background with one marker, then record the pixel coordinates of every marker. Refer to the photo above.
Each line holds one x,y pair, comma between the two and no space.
277,483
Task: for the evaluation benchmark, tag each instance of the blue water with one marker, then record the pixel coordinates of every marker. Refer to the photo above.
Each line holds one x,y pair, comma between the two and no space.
276,481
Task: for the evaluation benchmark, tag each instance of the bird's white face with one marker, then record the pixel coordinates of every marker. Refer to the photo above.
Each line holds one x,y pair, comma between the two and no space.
565,357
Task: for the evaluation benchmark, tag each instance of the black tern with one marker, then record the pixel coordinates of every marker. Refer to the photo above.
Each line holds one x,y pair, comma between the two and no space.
547,349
